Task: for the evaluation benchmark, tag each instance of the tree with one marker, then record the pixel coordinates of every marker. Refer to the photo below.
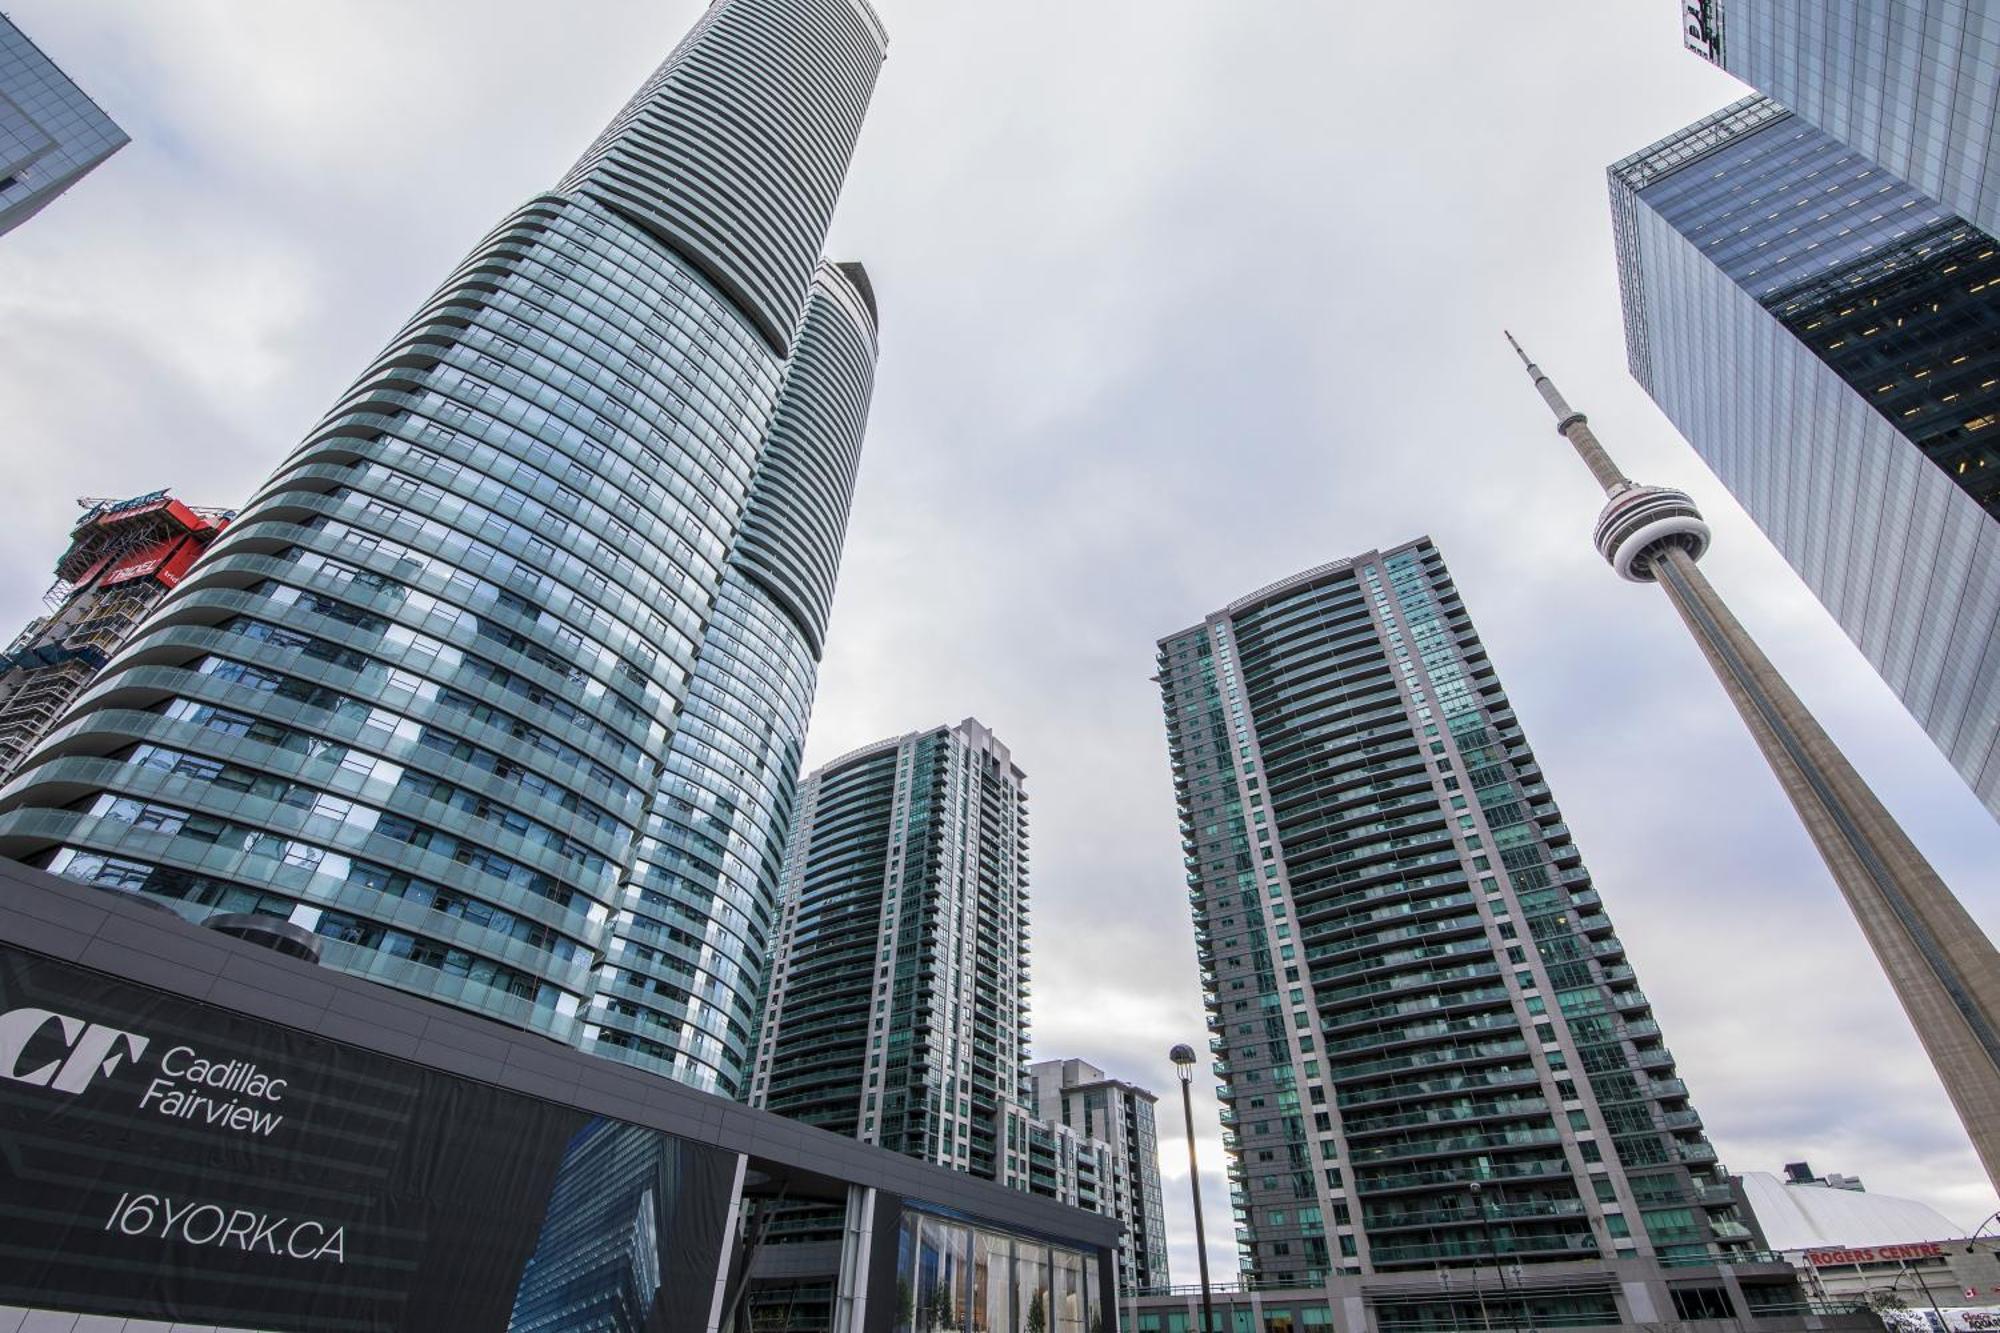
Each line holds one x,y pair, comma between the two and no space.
1038,1319
941,1315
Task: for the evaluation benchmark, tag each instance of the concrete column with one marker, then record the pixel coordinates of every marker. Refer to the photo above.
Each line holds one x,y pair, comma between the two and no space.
1641,1307
1943,968
857,1251
718,1309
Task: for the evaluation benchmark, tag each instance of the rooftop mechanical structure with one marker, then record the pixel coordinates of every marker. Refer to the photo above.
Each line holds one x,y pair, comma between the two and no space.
1943,968
123,556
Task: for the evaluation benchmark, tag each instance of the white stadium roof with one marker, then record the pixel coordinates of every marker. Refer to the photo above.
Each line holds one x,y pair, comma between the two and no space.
1809,1217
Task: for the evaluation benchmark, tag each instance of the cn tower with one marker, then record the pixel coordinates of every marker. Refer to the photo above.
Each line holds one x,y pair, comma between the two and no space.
1941,965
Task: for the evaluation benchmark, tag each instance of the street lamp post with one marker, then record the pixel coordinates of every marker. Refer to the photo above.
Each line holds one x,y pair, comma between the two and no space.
1990,1220
1184,1058
1925,1287
1451,1299
1905,1271
1479,1294
1474,1188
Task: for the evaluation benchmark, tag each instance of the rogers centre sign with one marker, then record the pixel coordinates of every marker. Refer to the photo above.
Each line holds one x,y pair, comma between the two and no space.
1877,1254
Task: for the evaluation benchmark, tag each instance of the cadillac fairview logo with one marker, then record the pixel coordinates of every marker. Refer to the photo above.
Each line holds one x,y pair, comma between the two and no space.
46,1049
88,1049
72,1056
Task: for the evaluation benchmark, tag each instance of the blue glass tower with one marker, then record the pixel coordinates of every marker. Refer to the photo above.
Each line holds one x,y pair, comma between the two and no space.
898,1010
631,1215
1825,335
1912,84
1433,1052
51,134
456,690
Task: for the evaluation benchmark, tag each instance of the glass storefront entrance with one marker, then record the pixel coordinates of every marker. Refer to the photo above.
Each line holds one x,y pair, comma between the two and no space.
958,1277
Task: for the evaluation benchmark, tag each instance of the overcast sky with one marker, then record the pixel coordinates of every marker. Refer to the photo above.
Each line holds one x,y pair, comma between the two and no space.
1178,297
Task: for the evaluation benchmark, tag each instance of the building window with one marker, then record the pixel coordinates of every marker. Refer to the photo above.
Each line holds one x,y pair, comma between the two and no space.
1702,1303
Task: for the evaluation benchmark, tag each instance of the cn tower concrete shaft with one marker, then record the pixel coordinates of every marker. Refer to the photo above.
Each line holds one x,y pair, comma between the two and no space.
1941,965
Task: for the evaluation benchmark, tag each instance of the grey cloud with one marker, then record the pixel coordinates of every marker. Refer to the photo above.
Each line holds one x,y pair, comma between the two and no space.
1178,298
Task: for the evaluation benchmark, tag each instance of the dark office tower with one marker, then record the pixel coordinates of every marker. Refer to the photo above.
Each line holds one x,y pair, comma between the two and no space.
898,1009
1908,83
421,696
1431,1050
690,942
1940,964
51,133
1828,338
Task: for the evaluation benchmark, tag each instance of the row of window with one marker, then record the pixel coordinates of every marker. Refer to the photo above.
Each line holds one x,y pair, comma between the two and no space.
366,767
376,672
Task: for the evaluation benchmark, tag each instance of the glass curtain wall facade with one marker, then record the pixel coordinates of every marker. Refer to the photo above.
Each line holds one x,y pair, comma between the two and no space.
1911,84
421,696
681,987
51,134
898,1002
1120,1115
596,1263
1431,1051
1826,335
955,1275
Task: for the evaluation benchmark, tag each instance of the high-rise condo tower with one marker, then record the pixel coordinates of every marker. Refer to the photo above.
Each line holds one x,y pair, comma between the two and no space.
1097,1106
498,683
123,557
1432,1052
691,943
1940,964
898,1004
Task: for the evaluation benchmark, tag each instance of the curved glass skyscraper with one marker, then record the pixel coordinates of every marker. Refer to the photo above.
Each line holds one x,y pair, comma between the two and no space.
427,698
679,992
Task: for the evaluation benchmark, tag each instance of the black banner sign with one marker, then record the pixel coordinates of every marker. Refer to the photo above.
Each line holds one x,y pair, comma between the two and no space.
170,1160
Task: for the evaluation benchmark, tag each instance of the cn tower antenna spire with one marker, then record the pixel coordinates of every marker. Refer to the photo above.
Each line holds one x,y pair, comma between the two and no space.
1941,965
1573,426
